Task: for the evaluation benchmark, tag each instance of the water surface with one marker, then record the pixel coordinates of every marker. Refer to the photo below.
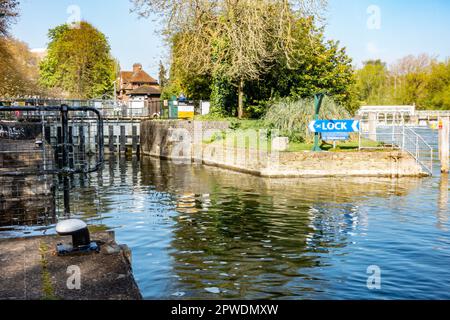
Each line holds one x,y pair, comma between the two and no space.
204,233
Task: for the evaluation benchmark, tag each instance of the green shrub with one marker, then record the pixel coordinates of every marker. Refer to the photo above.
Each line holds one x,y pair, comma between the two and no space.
292,117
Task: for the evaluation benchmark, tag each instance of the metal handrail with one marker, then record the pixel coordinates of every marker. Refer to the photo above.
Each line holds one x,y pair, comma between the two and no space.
407,140
419,138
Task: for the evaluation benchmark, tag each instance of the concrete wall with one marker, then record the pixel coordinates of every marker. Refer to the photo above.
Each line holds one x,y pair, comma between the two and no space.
160,138
375,163
182,141
313,164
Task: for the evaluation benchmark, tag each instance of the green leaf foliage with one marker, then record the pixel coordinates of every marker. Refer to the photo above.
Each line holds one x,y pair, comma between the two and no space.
419,80
79,62
317,65
292,116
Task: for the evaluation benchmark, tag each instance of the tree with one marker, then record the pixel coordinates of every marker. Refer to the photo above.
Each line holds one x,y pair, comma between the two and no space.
318,66
19,70
372,83
411,76
162,75
8,12
438,87
419,80
79,62
236,39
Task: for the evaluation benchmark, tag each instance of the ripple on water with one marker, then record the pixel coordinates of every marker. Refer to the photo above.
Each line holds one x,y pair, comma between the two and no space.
198,232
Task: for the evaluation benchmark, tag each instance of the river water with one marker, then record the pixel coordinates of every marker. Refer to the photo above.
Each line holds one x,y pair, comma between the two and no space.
205,233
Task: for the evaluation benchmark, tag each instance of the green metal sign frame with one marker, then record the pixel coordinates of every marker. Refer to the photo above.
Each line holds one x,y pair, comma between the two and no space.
318,98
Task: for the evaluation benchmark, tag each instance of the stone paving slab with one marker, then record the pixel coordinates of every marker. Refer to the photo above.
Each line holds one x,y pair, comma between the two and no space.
31,270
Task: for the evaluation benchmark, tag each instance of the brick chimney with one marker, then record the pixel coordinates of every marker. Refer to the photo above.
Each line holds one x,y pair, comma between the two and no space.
137,67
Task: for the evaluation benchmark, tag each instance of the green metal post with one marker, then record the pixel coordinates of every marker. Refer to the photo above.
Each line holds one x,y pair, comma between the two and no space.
318,98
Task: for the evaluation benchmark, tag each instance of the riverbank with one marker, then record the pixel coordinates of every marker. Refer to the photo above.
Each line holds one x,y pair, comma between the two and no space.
184,141
32,271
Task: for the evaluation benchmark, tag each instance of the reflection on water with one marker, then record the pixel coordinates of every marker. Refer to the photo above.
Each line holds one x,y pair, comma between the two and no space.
206,233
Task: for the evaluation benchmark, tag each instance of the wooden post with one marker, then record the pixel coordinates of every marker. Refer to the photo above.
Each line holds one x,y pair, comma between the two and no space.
82,141
123,139
442,212
444,132
111,141
89,145
48,134
135,139
58,153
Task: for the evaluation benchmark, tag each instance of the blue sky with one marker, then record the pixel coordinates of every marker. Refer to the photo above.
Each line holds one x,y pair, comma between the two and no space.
386,29
406,27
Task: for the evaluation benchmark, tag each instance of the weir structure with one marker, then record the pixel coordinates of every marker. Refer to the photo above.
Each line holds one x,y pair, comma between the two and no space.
388,115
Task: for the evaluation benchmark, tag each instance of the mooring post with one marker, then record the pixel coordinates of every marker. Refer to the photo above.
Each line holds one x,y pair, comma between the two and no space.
444,132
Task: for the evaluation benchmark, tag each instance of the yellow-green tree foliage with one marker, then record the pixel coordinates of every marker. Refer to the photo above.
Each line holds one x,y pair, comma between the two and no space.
372,83
18,66
438,87
420,80
79,62
19,70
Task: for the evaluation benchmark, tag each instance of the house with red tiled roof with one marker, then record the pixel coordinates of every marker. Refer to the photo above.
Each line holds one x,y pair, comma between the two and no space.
137,85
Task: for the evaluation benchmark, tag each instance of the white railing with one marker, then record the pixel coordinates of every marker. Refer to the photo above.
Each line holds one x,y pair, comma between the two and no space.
433,113
130,109
398,137
416,145
407,110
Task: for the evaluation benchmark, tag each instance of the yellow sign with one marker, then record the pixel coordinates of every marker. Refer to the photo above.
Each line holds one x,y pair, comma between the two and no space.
185,112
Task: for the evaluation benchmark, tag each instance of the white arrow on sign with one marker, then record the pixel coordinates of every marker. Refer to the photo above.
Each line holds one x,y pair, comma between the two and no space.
312,126
355,126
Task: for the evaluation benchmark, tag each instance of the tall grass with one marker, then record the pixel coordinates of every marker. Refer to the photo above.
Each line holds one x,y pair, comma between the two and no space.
292,117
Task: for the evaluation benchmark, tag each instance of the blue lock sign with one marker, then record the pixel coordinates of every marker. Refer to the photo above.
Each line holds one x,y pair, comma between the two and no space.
334,126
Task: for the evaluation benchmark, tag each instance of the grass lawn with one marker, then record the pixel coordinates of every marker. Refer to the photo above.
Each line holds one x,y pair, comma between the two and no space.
240,128
251,140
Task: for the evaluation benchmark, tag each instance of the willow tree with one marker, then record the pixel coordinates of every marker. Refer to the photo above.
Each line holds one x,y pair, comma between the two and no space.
239,39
